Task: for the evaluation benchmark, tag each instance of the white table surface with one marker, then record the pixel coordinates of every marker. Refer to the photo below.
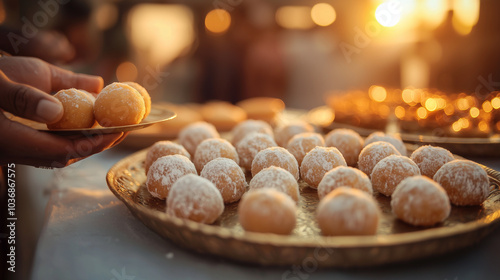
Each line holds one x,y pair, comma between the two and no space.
89,234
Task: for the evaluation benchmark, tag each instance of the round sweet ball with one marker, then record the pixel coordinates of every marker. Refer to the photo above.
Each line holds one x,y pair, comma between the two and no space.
373,153
262,108
186,115
348,211
192,135
119,104
246,127
90,95
319,161
275,156
429,159
251,145
223,115
165,171
195,198
276,178
78,110
349,143
161,149
227,176
420,201
465,182
267,211
213,148
145,95
390,171
394,139
342,176
300,144
284,133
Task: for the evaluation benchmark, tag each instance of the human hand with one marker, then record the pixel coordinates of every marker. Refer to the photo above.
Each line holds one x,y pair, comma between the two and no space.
24,83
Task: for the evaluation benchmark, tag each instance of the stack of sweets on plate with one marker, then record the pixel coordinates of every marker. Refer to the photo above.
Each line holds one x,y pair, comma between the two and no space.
260,167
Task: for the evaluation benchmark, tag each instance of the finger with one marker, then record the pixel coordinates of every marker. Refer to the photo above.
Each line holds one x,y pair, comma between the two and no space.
108,143
28,102
25,145
124,135
84,147
63,79
102,141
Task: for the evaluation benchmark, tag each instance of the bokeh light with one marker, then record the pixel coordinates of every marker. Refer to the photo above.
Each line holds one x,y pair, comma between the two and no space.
487,106
385,14
400,112
377,93
421,113
449,110
160,32
465,15
105,16
474,112
218,21
126,72
431,104
483,126
294,17
495,103
463,104
323,14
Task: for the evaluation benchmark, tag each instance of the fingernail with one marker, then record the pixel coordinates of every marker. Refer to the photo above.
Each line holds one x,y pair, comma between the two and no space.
48,111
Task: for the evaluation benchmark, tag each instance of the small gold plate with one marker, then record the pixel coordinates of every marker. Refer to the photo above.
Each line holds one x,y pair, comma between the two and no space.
395,241
158,114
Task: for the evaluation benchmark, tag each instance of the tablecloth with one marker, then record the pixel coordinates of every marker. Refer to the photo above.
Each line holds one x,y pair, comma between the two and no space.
89,234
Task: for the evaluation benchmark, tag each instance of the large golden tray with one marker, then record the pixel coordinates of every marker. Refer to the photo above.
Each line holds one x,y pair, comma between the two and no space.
395,241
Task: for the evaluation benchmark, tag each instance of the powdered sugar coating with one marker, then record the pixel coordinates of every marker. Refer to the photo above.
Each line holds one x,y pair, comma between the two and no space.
119,104
267,210
394,139
429,159
420,201
89,95
163,148
390,171
78,110
300,144
195,198
342,176
192,135
319,161
227,176
284,133
349,143
252,144
275,156
276,178
371,154
213,148
465,182
165,171
249,126
348,211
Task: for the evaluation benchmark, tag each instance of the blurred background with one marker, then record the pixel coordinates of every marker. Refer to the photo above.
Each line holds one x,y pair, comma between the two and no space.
300,51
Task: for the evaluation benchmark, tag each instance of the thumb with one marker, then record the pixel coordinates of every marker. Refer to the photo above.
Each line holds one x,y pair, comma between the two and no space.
28,102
